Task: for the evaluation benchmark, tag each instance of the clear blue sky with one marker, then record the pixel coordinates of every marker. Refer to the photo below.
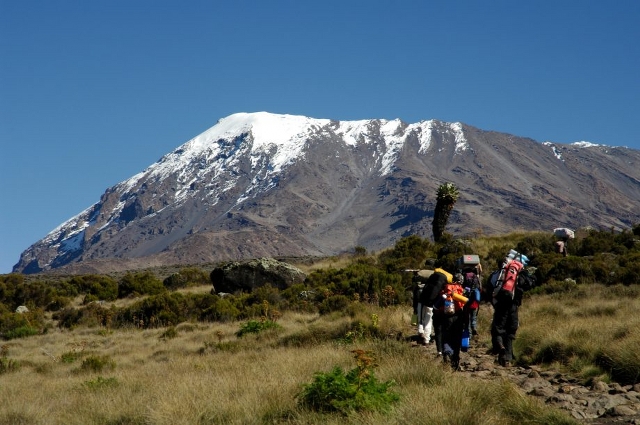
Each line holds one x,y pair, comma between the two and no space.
92,92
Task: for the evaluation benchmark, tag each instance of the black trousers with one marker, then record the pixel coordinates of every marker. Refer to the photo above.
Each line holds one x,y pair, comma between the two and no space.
448,333
504,327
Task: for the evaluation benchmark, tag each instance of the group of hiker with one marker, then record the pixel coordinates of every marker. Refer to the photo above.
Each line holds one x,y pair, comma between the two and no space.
446,305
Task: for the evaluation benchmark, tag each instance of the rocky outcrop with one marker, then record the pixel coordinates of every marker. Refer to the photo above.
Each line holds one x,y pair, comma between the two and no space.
246,276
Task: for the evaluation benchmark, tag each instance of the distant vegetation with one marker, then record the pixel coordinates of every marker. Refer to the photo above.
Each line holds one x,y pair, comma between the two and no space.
581,317
601,257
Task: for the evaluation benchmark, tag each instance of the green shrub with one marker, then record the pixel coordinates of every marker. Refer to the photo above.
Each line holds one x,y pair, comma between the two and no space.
7,364
58,303
90,315
68,317
96,287
20,325
408,253
556,287
359,281
221,309
69,357
21,332
357,333
256,326
170,333
357,390
266,293
97,364
143,283
334,303
221,346
187,277
167,309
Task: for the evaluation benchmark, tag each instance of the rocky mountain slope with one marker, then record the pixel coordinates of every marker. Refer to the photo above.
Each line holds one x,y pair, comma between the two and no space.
262,184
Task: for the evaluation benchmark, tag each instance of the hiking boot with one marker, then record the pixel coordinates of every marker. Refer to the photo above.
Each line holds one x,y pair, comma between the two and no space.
455,364
502,354
502,361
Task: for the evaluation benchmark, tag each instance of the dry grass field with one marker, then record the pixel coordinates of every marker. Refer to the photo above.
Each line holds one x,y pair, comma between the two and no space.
202,373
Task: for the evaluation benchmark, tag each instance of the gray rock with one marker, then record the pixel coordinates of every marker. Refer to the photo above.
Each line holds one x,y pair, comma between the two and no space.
615,388
607,402
246,276
600,386
529,384
22,309
621,410
578,414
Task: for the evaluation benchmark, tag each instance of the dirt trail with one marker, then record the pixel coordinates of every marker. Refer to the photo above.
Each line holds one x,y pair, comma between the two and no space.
599,404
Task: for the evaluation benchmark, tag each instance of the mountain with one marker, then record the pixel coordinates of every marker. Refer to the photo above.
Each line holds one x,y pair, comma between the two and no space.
261,184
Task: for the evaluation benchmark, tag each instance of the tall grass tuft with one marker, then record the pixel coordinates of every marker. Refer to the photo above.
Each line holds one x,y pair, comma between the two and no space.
594,335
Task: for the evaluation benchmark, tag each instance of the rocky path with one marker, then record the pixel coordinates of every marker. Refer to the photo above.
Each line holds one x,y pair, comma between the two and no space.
599,404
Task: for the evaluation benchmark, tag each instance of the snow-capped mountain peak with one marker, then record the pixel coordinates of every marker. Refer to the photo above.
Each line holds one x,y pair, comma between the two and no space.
271,184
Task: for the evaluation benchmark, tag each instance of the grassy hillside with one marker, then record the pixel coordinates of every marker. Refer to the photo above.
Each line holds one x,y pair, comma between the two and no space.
200,373
144,348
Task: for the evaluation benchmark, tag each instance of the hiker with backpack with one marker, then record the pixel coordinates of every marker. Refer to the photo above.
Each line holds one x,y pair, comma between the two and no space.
510,284
470,267
487,296
561,247
472,290
421,311
563,235
445,292
428,298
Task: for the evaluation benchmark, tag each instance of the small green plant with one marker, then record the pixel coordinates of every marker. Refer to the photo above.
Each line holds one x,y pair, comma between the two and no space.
358,333
256,326
7,364
222,346
375,320
97,364
170,333
357,390
21,332
100,382
69,357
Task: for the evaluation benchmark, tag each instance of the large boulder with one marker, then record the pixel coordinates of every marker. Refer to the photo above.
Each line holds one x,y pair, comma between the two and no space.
245,276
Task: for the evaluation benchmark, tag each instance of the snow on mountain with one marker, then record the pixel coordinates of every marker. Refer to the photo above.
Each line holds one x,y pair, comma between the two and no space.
215,159
262,183
282,138
584,144
554,149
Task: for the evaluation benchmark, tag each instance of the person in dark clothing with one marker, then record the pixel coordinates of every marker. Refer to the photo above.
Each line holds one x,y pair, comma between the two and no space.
505,318
487,296
449,327
473,289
